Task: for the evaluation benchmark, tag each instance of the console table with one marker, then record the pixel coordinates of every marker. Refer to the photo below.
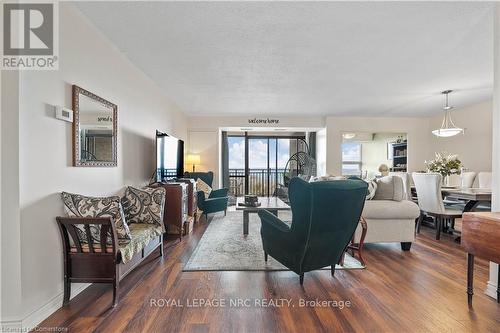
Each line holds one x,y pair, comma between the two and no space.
481,237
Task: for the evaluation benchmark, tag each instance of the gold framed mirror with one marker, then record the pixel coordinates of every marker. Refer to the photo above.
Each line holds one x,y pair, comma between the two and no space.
94,130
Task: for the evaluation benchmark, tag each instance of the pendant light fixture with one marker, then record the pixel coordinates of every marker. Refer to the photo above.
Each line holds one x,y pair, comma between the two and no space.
448,128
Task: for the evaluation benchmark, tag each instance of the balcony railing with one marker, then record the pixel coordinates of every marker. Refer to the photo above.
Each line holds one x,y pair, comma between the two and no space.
261,182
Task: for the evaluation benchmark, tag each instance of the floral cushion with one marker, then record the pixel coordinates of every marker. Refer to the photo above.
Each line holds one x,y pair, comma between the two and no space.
142,234
144,205
206,189
77,205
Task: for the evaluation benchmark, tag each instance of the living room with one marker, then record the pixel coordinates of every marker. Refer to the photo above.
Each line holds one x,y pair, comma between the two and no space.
315,75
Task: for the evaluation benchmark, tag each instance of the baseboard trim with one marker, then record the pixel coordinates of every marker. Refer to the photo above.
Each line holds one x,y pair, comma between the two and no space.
37,316
10,325
491,290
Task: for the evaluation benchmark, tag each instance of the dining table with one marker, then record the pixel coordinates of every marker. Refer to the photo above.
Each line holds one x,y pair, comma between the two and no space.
472,197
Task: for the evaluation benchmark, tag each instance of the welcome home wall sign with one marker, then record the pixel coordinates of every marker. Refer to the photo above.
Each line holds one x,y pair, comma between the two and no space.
266,121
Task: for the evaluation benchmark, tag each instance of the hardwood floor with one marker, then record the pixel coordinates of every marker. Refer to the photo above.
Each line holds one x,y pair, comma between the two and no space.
423,290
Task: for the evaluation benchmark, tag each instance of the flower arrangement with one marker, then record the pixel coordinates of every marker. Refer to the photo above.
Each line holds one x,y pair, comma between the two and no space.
445,164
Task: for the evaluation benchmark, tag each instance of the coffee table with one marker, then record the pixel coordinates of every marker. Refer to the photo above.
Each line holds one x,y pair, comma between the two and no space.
272,204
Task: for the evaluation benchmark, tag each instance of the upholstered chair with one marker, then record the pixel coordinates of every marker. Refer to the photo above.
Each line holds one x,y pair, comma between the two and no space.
468,178
484,182
216,201
325,216
430,201
465,180
484,179
207,177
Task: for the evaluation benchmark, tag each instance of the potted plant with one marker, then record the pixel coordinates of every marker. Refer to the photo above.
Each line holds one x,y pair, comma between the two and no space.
446,165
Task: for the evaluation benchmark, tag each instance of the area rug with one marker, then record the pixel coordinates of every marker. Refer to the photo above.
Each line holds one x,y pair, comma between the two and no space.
223,247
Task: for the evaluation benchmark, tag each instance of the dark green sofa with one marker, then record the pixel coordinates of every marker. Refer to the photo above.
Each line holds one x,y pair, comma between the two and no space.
217,201
325,216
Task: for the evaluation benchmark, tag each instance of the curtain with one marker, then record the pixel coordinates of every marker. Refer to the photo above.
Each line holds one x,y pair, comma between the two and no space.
225,160
312,144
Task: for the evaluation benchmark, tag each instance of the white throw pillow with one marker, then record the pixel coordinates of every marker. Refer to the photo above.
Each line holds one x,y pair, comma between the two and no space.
389,188
326,178
372,189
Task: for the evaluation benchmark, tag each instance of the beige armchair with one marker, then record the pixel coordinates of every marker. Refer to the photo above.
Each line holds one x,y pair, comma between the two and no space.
391,220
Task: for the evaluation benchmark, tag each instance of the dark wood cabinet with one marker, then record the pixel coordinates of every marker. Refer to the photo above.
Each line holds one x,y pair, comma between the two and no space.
176,207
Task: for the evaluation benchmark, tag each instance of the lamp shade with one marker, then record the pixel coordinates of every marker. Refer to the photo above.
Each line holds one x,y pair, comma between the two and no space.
447,128
447,132
193,159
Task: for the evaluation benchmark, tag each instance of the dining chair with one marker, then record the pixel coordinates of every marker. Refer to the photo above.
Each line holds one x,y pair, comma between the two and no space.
430,202
484,182
468,178
465,180
453,181
484,179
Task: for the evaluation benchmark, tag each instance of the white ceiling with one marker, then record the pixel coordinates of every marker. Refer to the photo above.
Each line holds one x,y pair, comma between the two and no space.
301,58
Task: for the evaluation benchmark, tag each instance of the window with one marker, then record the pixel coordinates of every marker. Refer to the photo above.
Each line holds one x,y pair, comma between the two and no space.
351,159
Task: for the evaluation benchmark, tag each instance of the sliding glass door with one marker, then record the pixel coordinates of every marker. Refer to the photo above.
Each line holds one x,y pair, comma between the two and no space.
237,158
257,163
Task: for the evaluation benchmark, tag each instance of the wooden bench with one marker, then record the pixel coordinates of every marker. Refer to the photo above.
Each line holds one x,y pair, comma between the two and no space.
88,262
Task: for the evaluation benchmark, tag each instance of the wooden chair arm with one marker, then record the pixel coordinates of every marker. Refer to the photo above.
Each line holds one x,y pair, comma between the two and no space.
67,228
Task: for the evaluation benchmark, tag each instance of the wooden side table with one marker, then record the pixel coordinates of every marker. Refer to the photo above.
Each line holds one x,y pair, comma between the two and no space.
176,207
357,247
480,237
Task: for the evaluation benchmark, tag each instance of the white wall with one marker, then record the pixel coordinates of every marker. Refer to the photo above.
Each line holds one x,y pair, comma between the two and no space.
196,122
374,153
206,144
417,130
495,204
475,146
10,217
89,60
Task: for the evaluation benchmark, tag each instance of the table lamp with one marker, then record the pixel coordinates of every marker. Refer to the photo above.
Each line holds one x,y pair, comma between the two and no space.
193,159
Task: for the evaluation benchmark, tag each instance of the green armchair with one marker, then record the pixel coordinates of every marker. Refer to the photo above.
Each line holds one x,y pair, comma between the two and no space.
217,201
207,177
325,216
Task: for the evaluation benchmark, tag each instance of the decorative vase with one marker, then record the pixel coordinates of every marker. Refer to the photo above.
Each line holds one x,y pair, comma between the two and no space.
446,181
